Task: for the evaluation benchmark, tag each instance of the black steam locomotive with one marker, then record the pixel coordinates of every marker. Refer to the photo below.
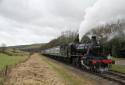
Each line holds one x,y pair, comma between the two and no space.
89,56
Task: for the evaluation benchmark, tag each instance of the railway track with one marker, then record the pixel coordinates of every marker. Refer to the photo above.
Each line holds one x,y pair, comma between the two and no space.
117,77
114,76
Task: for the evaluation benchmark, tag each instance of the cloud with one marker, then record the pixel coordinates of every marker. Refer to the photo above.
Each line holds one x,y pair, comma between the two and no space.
103,11
38,21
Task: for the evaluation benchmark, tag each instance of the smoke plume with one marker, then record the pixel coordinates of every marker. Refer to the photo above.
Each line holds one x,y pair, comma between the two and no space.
102,12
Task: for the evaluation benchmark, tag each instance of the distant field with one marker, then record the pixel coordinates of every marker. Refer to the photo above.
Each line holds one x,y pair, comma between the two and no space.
114,58
119,68
32,46
9,60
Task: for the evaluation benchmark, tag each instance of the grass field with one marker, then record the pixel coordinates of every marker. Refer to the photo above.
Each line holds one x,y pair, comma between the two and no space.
119,68
9,60
114,58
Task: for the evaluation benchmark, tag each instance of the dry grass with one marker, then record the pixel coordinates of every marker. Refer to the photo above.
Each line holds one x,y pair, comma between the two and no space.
39,70
35,71
69,77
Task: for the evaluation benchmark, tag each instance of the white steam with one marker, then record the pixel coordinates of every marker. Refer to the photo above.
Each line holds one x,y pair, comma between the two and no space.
103,11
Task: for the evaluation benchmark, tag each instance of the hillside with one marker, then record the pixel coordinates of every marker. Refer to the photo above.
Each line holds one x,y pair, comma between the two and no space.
28,47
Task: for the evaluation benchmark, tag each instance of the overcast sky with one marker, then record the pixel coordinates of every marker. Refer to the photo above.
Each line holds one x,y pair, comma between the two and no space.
39,21
102,12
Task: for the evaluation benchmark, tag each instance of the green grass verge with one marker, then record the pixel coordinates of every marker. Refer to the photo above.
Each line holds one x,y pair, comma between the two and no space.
115,58
9,60
119,68
69,77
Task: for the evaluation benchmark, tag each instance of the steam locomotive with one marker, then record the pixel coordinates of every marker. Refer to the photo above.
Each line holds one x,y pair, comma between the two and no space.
89,56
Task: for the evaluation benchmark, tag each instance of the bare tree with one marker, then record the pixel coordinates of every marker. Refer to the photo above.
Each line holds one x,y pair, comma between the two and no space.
3,47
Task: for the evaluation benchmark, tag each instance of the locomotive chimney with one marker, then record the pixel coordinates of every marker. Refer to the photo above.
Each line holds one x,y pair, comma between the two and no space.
76,39
94,40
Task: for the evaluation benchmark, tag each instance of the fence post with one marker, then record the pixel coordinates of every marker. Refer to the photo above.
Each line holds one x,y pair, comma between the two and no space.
6,70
